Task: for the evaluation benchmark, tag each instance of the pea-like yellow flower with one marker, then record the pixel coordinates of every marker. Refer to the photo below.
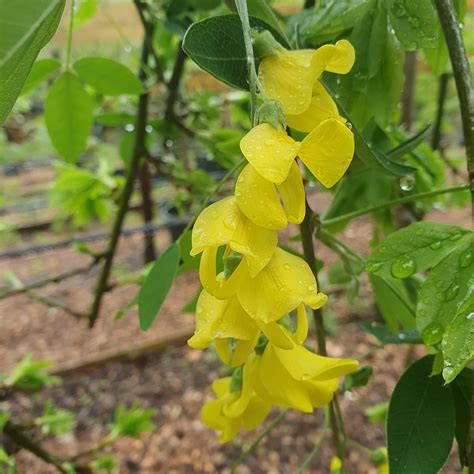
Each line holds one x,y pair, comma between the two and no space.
269,205
297,378
219,320
327,151
233,409
336,465
223,223
322,107
281,287
289,76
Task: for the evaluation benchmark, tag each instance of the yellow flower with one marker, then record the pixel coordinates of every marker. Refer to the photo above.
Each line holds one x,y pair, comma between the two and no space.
284,284
297,378
327,151
321,108
232,409
336,465
289,76
218,320
259,199
382,467
222,223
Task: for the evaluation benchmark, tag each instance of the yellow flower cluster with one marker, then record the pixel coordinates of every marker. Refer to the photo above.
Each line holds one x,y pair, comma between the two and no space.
245,309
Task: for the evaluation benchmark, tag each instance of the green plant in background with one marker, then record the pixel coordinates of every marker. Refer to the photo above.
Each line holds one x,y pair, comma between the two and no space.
421,274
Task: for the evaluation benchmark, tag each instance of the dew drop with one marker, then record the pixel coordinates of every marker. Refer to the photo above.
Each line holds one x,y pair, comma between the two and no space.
436,245
286,266
432,334
455,237
407,183
372,267
403,267
311,288
465,259
451,292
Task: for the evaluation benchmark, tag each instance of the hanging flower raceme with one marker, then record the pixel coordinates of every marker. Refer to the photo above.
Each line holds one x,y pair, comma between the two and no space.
289,76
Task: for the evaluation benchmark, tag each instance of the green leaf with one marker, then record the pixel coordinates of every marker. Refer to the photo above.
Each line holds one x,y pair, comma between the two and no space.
216,45
69,116
415,23
132,422
40,71
368,154
359,378
420,422
445,309
55,421
104,463
30,375
86,11
461,388
25,28
409,145
392,299
413,249
386,336
157,285
108,77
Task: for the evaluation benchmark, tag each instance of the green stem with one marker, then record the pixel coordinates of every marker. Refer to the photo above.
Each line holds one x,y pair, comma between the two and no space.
438,124
251,71
307,230
388,204
69,34
275,422
463,78
317,446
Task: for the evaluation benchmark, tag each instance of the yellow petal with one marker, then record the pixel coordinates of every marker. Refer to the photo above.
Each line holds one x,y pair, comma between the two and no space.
321,108
257,410
338,58
288,77
281,388
243,348
327,151
218,286
223,350
258,200
236,407
321,393
293,195
305,365
223,223
270,151
220,319
277,335
221,386
211,415
301,332
343,58
285,283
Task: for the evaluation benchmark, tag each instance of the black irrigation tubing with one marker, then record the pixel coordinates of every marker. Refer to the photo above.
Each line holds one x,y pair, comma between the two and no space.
35,249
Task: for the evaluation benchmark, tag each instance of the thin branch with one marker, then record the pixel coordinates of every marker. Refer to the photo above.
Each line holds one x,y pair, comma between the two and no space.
438,124
307,231
317,446
69,33
138,152
47,281
174,82
463,78
52,303
388,204
24,441
245,454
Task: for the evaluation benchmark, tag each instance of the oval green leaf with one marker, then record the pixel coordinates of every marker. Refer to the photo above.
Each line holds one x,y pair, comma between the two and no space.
40,71
216,45
157,285
108,77
69,116
421,421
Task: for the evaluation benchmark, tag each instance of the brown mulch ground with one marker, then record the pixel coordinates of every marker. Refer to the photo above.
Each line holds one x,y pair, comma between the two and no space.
175,382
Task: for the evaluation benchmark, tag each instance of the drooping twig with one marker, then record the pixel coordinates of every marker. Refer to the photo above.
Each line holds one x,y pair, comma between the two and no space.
138,152
17,435
174,82
463,78
307,231
438,124
144,178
